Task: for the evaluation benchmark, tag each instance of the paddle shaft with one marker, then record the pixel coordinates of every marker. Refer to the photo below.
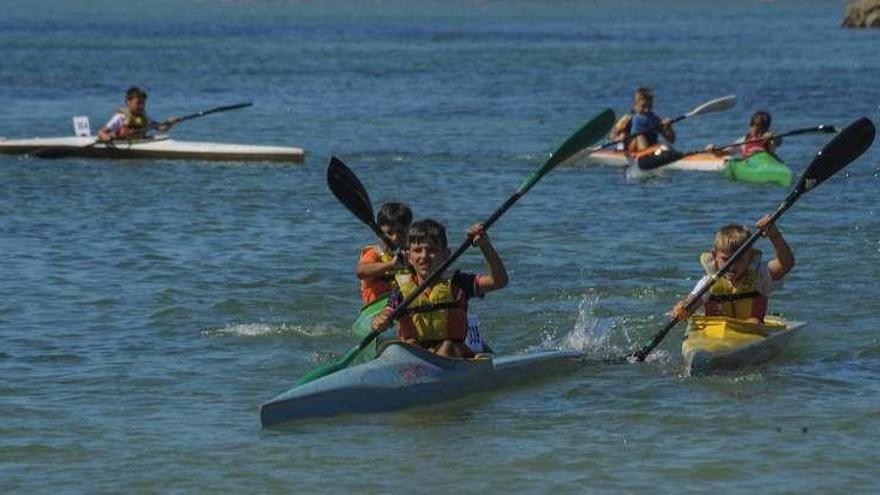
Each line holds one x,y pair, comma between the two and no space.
213,110
805,130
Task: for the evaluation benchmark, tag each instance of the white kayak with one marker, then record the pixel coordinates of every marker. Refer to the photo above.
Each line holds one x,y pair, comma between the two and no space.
700,162
157,147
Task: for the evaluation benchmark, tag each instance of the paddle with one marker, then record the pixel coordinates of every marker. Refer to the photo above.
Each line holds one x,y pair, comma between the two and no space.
716,105
592,131
838,153
661,157
353,195
63,151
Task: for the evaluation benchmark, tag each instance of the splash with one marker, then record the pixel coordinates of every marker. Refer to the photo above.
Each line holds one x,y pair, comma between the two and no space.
635,174
268,329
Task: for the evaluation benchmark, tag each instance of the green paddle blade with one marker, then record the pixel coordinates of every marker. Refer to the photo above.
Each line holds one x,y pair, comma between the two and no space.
594,130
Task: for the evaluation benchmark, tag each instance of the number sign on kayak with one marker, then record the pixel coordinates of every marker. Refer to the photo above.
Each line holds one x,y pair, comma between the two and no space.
81,126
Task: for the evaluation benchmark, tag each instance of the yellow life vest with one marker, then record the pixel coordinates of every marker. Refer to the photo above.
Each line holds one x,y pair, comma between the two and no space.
438,313
740,299
137,125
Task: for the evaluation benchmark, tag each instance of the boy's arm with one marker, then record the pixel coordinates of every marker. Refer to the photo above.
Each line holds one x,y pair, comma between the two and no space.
680,310
619,130
370,267
497,276
106,133
784,260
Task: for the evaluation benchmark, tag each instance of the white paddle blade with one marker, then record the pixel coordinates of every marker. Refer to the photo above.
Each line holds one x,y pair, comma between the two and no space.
716,105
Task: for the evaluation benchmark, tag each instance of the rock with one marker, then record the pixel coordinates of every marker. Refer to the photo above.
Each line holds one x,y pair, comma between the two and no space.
862,13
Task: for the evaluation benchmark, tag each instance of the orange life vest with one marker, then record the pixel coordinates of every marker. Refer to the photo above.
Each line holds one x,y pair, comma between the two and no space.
376,287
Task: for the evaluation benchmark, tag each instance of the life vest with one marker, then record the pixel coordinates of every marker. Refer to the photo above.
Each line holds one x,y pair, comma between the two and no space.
374,288
750,148
134,126
438,313
648,123
740,299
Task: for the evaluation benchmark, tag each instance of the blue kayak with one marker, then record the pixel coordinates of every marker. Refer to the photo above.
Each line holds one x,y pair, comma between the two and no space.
403,376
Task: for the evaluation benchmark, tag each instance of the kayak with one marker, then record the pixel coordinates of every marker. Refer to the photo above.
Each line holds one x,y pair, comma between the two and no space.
157,147
716,343
700,162
761,167
403,376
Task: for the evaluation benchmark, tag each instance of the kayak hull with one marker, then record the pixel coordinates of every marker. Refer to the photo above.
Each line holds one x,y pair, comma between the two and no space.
719,344
761,167
404,376
158,147
700,162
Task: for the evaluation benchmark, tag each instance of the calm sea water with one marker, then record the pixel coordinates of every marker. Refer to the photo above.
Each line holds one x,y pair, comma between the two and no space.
148,308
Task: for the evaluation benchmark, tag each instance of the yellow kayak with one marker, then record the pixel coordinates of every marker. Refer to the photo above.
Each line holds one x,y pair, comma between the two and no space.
716,343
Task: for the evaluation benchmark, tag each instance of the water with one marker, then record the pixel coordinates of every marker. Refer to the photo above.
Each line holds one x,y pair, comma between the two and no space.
148,308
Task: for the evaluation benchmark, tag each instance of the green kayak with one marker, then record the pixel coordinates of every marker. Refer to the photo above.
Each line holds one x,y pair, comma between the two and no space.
762,167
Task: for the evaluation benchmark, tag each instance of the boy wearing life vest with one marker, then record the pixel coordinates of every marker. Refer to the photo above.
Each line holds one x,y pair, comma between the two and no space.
743,291
752,142
437,318
132,121
642,123
379,262
759,127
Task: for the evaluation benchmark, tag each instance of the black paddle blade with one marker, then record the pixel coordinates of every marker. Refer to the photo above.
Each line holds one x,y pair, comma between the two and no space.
349,191
660,157
845,147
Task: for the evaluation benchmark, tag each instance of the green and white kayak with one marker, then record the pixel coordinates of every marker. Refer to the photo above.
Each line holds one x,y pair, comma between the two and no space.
761,167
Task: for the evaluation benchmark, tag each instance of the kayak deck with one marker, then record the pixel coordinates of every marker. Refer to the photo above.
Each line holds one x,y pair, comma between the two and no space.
158,147
404,376
718,344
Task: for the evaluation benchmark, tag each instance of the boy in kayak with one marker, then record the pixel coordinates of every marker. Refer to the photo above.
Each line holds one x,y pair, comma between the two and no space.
641,128
379,262
743,291
132,121
758,138
437,318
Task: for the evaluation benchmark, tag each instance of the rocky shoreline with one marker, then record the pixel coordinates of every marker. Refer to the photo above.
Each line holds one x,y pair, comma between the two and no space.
862,14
